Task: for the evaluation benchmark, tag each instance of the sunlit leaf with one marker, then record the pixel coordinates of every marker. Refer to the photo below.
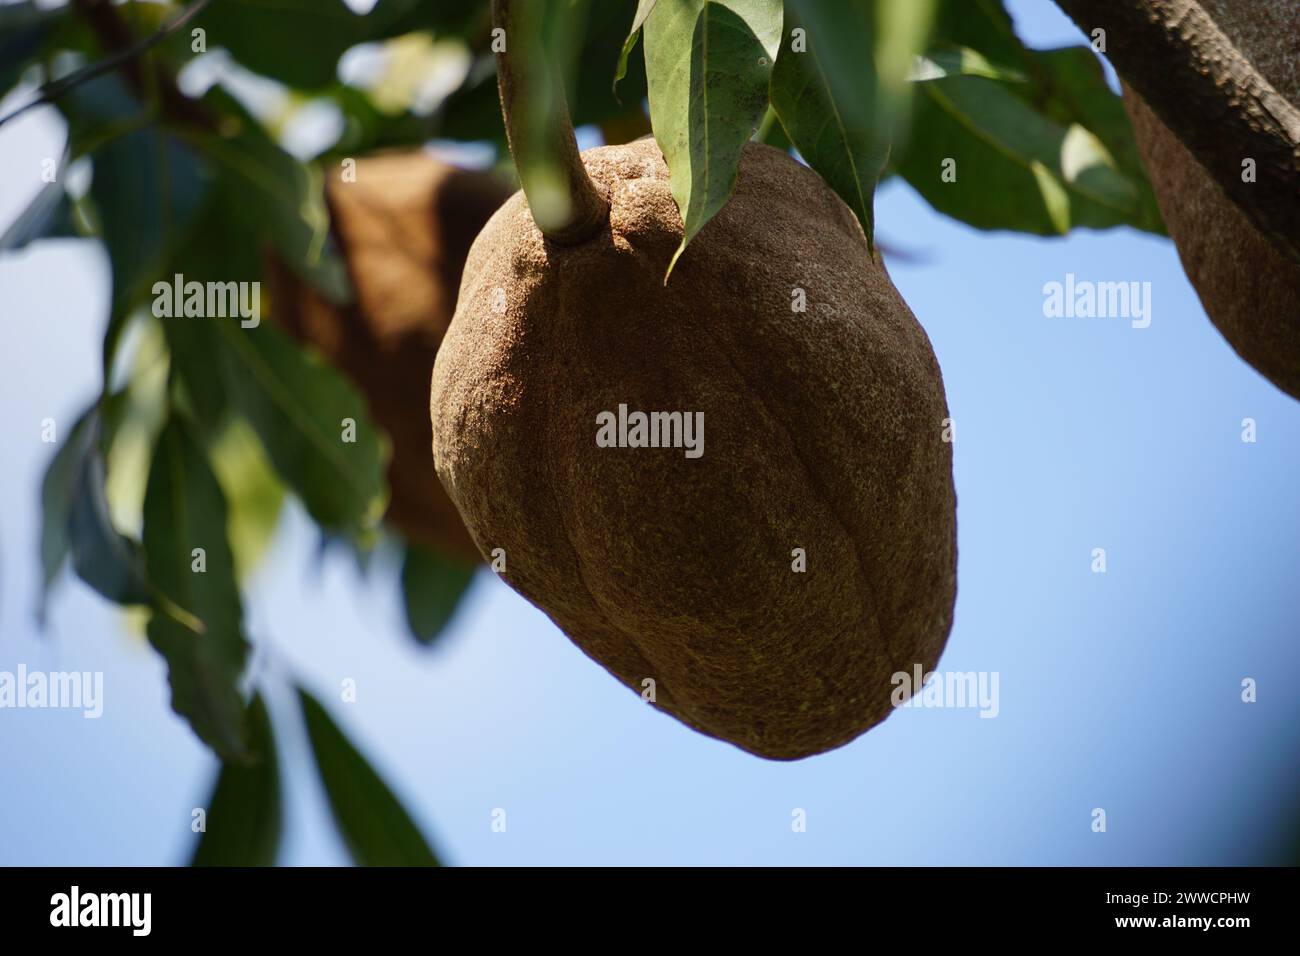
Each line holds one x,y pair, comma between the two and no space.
254,494
135,416
903,32
961,61
1077,93
1014,168
105,559
708,65
1052,144
312,424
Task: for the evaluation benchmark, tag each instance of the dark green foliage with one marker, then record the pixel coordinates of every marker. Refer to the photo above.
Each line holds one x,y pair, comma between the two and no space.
190,561
244,812
375,826
1049,135
432,588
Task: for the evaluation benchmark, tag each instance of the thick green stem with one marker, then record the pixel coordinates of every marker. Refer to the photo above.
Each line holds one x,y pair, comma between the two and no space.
566,205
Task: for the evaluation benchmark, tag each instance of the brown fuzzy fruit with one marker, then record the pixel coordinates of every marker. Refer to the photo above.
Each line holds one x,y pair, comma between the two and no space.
823,432
404,228
1250,290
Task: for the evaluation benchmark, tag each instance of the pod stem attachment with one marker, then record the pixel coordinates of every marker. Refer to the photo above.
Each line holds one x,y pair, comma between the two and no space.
565,203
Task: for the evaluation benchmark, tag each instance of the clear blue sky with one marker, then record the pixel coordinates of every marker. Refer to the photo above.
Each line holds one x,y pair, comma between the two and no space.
1118,691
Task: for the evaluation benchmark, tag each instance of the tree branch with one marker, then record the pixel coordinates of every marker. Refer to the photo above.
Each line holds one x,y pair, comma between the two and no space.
115,36
1212,98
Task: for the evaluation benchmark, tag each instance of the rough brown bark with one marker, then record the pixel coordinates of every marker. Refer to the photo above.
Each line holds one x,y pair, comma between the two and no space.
1212,98
1251,291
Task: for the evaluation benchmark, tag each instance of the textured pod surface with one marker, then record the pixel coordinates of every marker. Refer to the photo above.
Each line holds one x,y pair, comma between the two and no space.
1250,291
404,227
822,431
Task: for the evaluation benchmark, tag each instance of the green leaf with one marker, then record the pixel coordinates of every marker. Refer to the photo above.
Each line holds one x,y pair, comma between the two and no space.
826,97
99,111
189,560
298,404
279,198
643,9
56,503
376,828
708,64
24,27
432,588
962,61
48,216
254,495
135,416
1014,167
295,403
148,186
244,811
473,112
903,31
220,249
1077,92
148,189
1063,102
109,562
840,89
982,25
